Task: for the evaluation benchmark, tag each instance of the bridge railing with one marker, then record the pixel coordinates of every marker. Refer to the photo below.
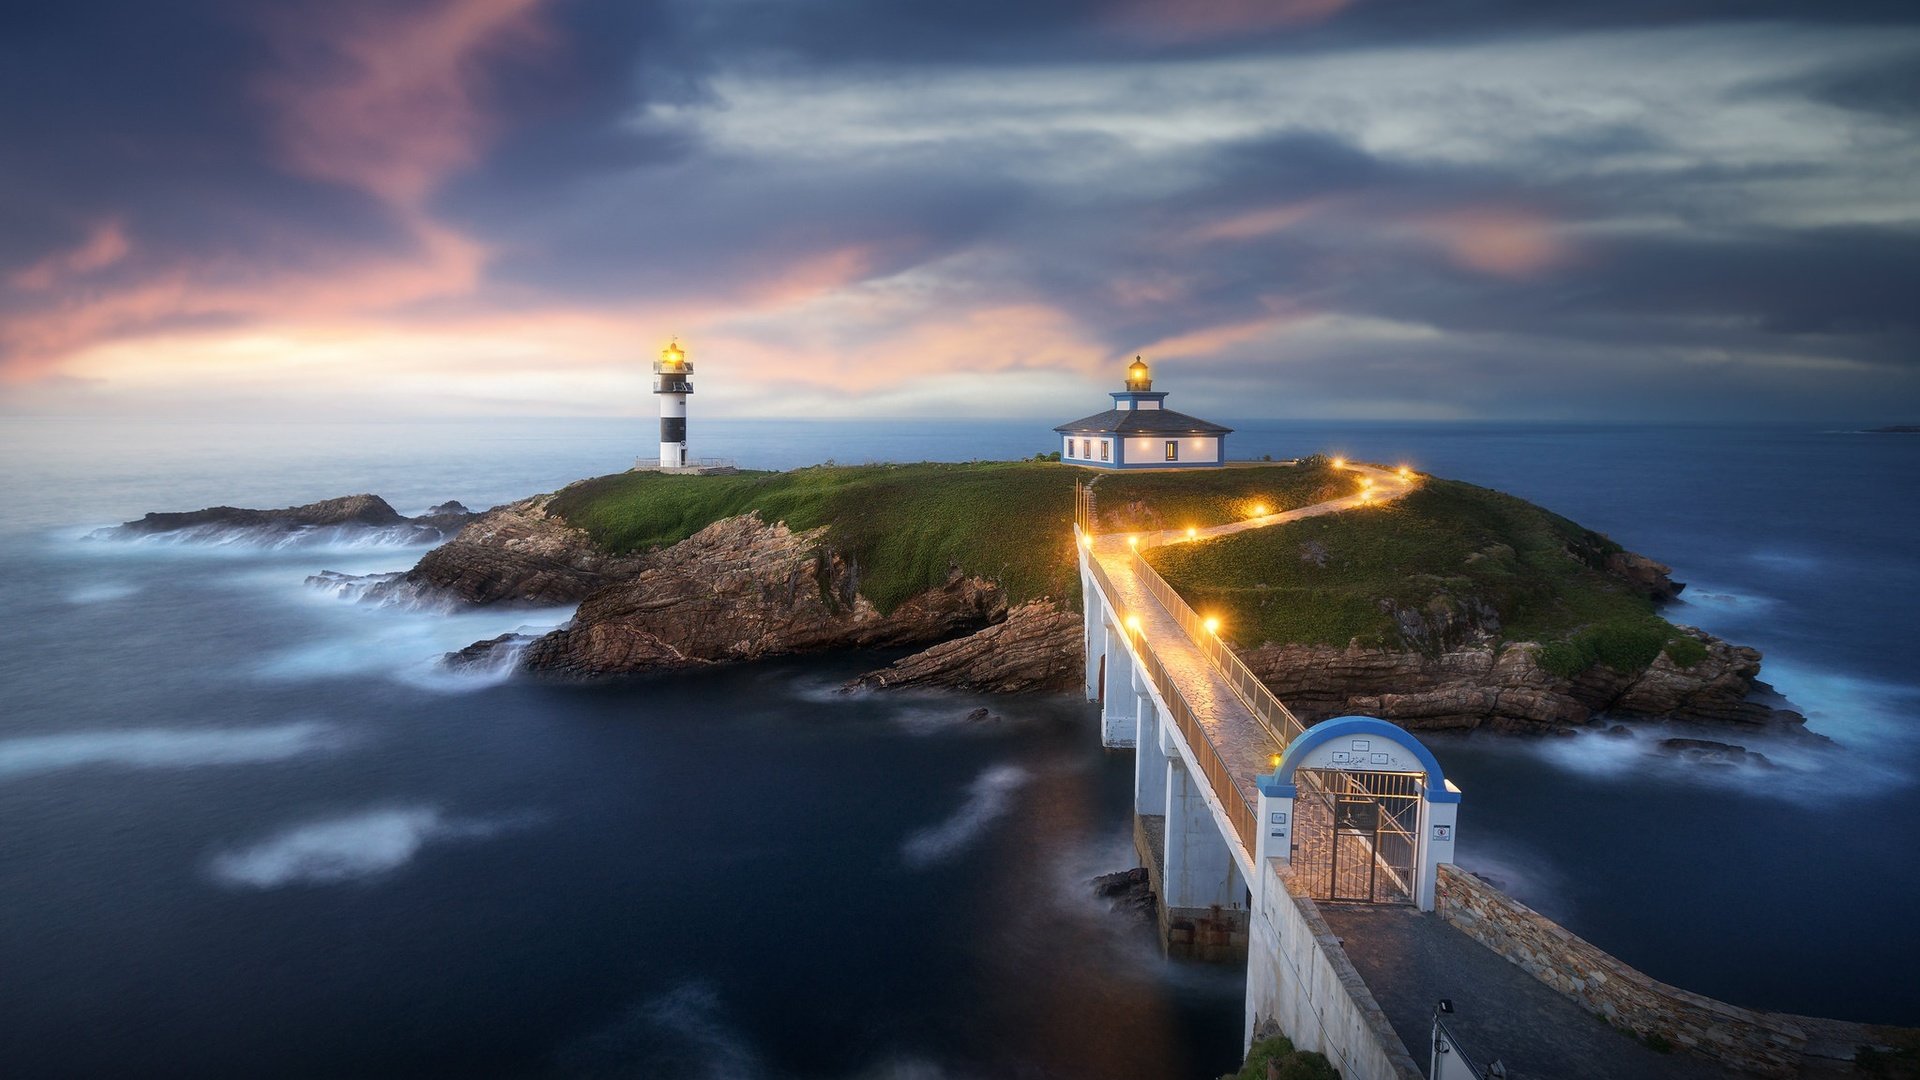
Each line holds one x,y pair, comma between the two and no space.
1282,726
1240,810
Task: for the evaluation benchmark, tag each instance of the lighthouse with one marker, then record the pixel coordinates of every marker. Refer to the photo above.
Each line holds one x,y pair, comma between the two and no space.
671,384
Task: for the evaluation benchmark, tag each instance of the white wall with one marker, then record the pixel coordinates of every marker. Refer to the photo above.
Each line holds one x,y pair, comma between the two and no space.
1153,449
1299,977
1070,449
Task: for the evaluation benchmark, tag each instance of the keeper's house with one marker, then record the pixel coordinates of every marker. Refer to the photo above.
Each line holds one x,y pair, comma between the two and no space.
1140,432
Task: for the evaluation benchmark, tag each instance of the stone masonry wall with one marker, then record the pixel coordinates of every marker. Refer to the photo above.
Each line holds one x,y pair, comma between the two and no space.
1755,1042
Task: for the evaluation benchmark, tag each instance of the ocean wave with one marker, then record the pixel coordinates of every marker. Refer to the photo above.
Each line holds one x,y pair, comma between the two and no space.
164,748
682,1033
273,538
353,848
102,592
988,798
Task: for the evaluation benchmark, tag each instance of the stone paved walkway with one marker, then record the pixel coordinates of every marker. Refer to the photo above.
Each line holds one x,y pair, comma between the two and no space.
1411,960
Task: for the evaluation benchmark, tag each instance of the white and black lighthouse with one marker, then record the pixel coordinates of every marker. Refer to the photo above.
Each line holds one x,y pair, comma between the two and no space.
671,383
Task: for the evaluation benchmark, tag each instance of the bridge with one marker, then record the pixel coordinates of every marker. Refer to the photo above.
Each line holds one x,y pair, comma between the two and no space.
1323,855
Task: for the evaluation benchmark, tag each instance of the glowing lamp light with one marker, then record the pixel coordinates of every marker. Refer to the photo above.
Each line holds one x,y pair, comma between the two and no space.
1192,532
1366,496
1213,626
1133,541
1275,760
1366,481
1259,509
673,355
1339,463
1406,473
1133,623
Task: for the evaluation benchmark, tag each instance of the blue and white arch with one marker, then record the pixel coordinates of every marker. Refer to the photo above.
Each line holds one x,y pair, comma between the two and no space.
1365,744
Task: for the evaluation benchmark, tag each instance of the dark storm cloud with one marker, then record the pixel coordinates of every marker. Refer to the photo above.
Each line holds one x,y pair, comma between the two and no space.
1477,201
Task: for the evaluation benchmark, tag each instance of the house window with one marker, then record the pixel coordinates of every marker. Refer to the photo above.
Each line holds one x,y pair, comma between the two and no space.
1086,448
1173,450
1103,449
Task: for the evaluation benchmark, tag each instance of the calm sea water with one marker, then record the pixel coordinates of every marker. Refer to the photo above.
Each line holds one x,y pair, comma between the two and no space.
246,829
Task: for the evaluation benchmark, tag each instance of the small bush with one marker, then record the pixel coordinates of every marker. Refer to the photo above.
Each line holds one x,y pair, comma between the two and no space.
1685,651
1287,1063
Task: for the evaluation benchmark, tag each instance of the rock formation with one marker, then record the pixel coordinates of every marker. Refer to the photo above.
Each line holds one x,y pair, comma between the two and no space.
1505,689
1036,649
512,553
741,589
350,517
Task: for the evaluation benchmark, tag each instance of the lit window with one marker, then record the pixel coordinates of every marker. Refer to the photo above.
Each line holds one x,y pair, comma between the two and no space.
1103,449
1086,448
1173,450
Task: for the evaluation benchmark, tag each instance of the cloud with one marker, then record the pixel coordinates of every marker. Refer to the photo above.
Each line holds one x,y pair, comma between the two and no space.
106,244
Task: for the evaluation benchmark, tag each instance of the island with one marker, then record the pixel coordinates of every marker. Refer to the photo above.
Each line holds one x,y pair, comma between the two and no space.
1452,607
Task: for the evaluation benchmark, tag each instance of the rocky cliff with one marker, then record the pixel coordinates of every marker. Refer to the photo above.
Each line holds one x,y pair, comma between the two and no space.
512,553
1505,688
742,589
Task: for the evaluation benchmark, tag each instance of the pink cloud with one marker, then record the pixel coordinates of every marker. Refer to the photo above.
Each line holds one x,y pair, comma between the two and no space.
390,103
1508,242
1258,223
106,244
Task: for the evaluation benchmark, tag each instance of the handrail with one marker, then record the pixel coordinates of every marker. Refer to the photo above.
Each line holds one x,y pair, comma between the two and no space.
1240,811
1282,726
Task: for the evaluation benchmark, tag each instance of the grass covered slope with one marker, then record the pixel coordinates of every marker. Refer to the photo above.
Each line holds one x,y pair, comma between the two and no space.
1447,561
904,526
1199,498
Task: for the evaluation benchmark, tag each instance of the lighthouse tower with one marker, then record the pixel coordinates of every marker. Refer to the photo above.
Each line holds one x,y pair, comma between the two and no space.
670,382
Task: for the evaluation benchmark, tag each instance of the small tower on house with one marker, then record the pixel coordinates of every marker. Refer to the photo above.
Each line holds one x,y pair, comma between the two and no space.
1140,432
672,385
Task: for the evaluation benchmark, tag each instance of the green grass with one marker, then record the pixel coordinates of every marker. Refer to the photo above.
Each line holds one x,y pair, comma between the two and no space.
904,526
1149,501
1287,1062
1450,552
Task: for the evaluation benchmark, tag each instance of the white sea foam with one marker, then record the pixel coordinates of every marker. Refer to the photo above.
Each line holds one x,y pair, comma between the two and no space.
682,1033
353,848
164,748
988,798
101,592
1713,600
269,538
1791,767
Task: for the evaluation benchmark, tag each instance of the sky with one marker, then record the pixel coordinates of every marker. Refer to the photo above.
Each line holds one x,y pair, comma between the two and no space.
1660,210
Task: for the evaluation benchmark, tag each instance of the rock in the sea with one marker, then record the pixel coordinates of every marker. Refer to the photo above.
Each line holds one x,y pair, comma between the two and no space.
514,553
1708,752
741,589
493,654
1644,574
350,517
1129,893
1036,649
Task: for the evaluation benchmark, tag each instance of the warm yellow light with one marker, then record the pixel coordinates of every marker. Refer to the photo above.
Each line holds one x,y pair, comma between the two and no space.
1259,509
1213,625
1406,473
1366,481
1276,760
1339,463
1133,541
1192,532
1133,623
1366,496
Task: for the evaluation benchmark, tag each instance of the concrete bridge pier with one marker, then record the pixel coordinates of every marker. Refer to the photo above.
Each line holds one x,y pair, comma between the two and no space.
1092,615
1149,752
1120,711
1203,896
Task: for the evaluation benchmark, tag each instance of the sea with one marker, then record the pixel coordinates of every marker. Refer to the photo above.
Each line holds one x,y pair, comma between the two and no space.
250,829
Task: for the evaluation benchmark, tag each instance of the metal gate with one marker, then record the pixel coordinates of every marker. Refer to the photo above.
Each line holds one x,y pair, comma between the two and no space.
1355,834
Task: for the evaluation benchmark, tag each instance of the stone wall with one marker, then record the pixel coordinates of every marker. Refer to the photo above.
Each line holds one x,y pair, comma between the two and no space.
1299,978
1747,1040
